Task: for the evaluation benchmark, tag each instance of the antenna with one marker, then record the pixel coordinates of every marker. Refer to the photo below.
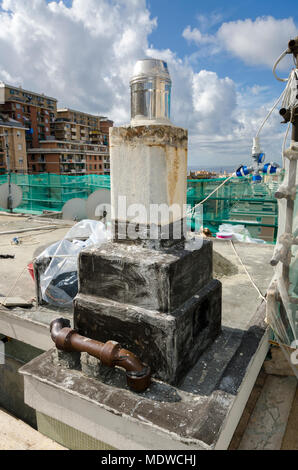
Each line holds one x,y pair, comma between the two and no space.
74,209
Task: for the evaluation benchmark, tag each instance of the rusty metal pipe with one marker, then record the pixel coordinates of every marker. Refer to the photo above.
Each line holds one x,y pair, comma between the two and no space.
111,353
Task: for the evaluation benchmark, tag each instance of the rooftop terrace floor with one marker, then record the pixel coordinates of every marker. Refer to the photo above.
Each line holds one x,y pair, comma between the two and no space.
217,387
240,298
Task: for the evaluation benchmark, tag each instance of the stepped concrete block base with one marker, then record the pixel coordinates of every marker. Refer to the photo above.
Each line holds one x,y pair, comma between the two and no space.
147,278
201,413
169,343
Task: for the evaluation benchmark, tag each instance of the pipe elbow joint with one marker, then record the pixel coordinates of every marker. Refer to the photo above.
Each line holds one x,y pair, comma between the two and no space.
57,325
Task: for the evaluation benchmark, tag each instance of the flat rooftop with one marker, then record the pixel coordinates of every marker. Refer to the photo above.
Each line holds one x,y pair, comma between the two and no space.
240,298
211,398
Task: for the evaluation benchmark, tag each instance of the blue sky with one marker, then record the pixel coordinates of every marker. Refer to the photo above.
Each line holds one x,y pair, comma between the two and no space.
219,54
174,15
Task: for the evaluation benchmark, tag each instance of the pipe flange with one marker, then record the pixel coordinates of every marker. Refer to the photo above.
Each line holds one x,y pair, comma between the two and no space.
109,353
139,381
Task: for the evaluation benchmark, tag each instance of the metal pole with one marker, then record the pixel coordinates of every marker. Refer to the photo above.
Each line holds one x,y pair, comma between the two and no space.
9,198
6,144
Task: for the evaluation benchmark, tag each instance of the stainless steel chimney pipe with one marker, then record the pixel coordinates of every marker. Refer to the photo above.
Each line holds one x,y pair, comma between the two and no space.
150,93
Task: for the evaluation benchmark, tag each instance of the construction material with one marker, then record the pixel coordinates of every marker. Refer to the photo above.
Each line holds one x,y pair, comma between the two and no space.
57,264
14,302
32,229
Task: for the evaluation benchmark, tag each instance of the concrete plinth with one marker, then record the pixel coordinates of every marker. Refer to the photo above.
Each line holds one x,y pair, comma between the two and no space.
162,305
147,278
201,413
148,166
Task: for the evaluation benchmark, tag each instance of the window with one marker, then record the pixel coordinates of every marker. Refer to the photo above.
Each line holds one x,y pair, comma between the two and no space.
95,166
18,106
20,146
11,92
18,134
21,161
47,129
19,116
46,120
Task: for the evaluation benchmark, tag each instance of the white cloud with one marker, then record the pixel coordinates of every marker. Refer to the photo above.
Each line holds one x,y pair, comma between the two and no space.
84,55
81,54
195,35
214,103
257,42
207,21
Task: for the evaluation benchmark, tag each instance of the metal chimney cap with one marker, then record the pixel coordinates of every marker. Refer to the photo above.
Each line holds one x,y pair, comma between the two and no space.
150,90
150,68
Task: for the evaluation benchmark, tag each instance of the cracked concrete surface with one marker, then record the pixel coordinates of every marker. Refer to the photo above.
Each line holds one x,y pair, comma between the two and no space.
268,422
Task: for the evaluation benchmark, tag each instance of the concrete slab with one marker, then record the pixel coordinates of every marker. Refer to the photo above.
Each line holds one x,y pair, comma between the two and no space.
277,363
220,382
31,326
250,405
202,413
16,435
269,419
240,298
14,302
290,439
15,279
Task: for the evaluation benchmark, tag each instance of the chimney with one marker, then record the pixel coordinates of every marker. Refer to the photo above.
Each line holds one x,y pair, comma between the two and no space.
150,93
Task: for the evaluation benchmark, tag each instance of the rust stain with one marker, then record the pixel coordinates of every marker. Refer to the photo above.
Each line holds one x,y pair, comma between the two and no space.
173,164
153,134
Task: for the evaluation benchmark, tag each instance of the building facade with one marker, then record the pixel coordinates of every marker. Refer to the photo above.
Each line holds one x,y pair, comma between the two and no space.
16,142
76,126
67,157
33,110
57,141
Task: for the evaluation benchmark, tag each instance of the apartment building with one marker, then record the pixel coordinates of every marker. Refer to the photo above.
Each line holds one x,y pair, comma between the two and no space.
67,157
57,141
33,110
16,145
72,125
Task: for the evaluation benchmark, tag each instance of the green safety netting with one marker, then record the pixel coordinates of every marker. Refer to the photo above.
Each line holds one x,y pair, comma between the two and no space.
50,191
238,201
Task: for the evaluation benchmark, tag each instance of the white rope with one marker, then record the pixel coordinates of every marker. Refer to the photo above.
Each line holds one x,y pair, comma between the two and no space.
270,112
250,278
290,99
14,285
214,191
282,55
284,144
